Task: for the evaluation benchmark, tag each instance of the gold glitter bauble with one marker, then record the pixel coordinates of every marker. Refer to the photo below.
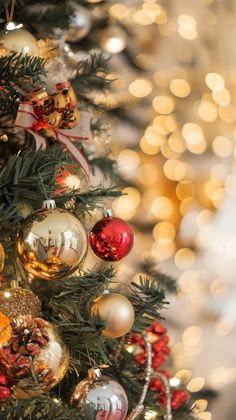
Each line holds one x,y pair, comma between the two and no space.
116,311
20,41
2,258
19,302
51,243
40,361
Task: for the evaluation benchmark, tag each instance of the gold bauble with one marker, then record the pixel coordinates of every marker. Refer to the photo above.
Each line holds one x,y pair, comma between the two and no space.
20,41
19,302
51,243
116,311
40,359
2,258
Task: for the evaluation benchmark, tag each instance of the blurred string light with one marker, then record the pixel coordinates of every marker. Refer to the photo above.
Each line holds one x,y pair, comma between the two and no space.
187,27
113,40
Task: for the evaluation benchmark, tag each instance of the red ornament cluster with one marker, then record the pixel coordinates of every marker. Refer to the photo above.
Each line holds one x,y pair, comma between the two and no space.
111,239
160,351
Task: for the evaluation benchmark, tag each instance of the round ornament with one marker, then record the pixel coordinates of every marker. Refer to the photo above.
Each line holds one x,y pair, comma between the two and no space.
111,238
51,243
19,302
18,40
116,311
80,24
104,395
34,359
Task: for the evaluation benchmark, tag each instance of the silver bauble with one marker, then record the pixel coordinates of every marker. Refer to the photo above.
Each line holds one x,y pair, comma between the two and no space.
80,24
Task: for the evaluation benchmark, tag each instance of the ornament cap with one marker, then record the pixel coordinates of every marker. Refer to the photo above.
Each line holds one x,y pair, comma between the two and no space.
49,204
107,212
94,373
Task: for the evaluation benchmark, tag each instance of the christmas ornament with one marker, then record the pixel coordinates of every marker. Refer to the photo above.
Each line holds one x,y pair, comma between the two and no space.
111,238
19,40
5,329
102,393
116,312
80,24
2,258
18,302
56,117
35,359
51,243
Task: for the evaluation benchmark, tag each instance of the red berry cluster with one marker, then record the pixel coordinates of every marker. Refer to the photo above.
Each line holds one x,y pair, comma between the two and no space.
160,348
5,391
160,351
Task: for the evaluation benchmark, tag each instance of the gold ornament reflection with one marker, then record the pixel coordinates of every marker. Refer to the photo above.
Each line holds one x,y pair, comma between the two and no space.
51,243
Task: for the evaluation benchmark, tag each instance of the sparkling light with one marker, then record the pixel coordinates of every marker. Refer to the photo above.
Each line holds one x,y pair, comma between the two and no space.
180,88
162,207
215,82
187,27
140,88
163,104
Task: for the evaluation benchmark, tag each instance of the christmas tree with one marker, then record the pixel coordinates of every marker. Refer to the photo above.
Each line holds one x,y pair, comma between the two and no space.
74,341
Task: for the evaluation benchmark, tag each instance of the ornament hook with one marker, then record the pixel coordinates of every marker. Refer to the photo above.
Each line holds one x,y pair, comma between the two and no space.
49,204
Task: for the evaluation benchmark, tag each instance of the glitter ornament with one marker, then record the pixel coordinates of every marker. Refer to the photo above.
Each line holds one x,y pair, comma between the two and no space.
116,311
19,302
103,394
35,359
51,243
111,238
18,40
80,24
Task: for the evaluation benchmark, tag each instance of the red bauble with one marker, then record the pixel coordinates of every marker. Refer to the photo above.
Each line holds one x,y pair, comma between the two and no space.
4,393
111,238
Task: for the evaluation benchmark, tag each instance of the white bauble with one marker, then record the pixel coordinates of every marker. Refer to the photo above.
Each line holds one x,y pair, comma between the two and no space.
20,41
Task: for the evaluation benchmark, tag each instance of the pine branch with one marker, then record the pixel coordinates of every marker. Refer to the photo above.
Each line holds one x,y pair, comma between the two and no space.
91,73
164,280
94,198
18,69
41,408
148,298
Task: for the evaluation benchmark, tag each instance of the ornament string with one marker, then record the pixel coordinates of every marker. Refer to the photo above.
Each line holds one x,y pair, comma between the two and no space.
148,376
9,15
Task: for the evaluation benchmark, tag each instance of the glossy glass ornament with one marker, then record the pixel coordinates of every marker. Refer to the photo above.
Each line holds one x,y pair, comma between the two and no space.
51,243
19,302
18,40
80,24
116,311
111,238
105,395
35,359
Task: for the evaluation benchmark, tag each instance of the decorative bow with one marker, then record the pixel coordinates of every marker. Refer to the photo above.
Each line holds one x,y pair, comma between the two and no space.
56,116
